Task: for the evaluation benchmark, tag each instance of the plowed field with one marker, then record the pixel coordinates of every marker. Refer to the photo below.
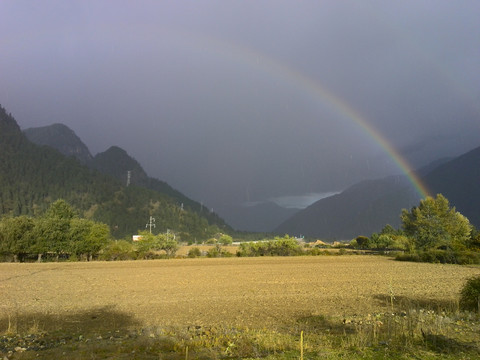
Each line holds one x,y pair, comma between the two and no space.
253,292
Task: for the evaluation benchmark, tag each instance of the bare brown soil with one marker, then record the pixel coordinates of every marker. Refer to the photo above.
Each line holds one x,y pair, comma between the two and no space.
248,292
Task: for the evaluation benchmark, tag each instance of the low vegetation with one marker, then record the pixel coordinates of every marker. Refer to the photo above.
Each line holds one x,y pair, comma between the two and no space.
470,295
286,246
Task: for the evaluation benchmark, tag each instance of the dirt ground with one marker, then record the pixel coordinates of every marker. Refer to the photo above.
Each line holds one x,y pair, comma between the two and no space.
251,292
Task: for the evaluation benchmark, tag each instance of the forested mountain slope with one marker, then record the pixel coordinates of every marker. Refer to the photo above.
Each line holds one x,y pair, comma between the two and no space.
115,162
359,210
32,176
459,181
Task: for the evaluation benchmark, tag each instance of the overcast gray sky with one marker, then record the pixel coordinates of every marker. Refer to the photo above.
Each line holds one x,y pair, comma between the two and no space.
231,101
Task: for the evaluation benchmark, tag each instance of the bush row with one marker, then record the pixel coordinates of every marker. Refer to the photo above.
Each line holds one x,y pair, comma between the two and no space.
442,256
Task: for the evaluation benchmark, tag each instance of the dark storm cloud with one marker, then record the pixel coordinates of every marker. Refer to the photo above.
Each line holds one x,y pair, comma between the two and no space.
208,95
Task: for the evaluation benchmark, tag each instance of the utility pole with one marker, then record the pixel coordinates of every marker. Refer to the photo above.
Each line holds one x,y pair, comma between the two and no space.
151,223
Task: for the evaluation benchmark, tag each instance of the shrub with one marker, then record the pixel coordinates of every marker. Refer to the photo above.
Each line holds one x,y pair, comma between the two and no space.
408,257
119,250
442,256
468,257
317,252
470,295
217,251
286,246
225,239
363,242
194,252
214,252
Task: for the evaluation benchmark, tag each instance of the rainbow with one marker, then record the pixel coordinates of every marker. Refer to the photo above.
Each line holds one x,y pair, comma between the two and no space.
247,56
348,112
314,88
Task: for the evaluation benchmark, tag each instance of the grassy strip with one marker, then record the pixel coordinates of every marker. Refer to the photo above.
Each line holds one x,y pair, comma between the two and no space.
416,333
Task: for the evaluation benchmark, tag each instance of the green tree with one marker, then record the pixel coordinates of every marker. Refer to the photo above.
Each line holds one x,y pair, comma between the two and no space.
118,250
53,230
17,236
474,242
390,230
434,224
363,242
402,242
146,244
225,239
385,241
60,209
51,236
87,237
79,229
167,243
149,242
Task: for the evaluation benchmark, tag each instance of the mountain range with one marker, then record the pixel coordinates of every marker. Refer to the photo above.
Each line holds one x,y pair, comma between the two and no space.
62,138
361,209
369,205
32,176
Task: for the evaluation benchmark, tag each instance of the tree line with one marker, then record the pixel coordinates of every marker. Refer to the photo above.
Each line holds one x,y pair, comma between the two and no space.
433,231
59,232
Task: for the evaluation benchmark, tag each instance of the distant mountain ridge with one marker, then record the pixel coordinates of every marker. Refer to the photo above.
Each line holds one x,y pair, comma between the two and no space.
359,210
115,162
62,138
366,207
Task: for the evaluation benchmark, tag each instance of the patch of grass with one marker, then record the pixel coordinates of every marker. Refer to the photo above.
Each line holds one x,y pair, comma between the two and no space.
399,335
